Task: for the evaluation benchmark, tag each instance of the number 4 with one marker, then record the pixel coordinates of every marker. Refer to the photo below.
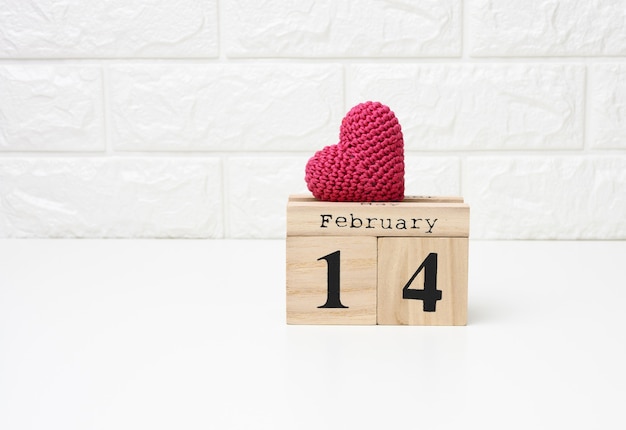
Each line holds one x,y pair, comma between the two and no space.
430,294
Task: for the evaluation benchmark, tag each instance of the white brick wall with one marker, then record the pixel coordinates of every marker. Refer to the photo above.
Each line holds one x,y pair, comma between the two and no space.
195,118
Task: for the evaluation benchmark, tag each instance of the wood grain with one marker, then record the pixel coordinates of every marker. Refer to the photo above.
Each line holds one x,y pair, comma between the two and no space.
399,259
307,285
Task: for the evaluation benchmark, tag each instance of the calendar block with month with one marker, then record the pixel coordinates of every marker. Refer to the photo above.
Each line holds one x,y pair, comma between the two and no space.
388,263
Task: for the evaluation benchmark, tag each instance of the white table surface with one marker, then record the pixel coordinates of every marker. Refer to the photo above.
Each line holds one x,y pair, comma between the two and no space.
190,334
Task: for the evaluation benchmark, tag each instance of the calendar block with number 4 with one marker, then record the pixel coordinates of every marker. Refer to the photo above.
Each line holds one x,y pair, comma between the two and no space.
391,263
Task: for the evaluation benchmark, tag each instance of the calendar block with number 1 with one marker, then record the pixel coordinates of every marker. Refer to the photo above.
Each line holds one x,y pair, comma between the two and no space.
388,263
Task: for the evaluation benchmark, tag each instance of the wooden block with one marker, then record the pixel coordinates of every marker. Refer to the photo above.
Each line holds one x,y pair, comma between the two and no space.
422,281
416,216
331,280
400,263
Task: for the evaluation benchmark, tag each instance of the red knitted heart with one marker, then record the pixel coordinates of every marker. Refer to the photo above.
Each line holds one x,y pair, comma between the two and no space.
367,165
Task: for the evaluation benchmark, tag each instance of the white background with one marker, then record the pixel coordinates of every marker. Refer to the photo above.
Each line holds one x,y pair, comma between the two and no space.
132,334
195,118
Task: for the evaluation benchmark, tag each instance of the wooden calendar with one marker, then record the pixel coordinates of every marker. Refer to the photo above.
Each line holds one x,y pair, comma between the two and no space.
388,263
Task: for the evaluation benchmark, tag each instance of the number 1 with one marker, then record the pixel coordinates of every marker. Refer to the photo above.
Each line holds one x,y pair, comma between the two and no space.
333,262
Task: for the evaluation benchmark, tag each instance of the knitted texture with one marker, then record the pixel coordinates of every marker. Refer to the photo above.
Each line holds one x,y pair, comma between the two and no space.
367,165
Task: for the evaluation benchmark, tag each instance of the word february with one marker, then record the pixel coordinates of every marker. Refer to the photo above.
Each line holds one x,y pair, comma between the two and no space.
378,223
